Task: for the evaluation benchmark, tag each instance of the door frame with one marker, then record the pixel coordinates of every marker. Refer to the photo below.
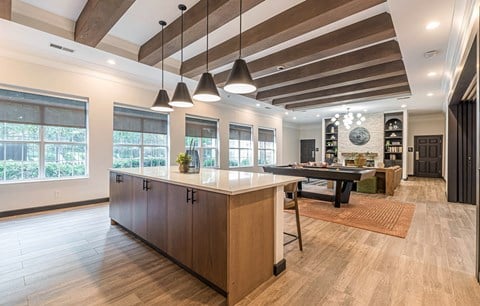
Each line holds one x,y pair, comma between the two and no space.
314,148
415,170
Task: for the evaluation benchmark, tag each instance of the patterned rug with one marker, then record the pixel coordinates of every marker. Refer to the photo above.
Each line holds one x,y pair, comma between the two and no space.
373,214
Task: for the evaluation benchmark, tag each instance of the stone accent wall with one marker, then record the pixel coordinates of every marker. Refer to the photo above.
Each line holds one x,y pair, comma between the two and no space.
374,125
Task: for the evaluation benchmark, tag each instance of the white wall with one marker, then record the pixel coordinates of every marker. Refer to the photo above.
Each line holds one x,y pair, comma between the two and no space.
101,93
424,125
291,144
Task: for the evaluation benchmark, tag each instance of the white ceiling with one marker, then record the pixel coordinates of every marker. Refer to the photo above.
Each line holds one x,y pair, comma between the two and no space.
140,23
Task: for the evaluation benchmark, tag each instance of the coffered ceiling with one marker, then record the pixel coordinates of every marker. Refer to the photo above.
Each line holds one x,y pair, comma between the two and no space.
304,55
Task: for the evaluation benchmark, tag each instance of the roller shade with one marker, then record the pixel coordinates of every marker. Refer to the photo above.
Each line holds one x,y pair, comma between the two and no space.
27,108
240,132
134,120
266,135
197,127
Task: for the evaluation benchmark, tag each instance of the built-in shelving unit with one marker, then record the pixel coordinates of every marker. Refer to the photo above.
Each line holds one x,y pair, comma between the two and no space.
331,142
393,139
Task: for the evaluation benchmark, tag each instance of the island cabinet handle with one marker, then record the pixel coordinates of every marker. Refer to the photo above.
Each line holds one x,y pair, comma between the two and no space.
193,196
188,195
118,178
145,185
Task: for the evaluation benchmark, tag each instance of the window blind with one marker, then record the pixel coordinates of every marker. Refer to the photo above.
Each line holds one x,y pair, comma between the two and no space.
197,127
240,132
28,108
134,120
266,135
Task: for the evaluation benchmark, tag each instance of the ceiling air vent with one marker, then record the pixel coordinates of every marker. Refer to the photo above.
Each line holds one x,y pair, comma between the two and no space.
61,48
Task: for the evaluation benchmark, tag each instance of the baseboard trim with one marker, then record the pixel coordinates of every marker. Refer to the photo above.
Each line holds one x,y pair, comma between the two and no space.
24,211
279,267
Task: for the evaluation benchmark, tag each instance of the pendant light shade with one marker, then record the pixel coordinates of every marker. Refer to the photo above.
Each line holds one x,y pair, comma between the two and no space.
162,100
240,80
206,89
181,96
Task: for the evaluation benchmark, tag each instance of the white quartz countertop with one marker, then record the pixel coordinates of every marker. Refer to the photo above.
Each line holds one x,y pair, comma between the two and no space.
216,180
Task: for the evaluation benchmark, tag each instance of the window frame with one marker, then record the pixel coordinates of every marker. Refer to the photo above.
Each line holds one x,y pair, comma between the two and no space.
141,145
42,142
274,150
201,147
240,148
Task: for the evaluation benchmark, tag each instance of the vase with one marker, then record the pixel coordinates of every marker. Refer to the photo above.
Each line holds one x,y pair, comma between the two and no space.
183,168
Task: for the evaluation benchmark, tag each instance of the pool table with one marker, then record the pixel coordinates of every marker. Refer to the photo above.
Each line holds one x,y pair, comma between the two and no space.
343,177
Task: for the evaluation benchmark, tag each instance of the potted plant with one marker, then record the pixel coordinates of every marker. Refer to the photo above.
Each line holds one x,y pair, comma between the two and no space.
183,161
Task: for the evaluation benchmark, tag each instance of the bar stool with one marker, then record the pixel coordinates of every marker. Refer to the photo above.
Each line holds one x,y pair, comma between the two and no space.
292,204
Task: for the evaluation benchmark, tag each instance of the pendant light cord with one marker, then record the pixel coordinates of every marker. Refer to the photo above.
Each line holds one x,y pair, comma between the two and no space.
207,36
181,53
240,40
163,59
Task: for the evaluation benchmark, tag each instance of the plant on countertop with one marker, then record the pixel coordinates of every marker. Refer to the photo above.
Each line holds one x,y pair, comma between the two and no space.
183,160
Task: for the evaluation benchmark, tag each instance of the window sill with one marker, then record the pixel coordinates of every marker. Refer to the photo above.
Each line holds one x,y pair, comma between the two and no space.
44,180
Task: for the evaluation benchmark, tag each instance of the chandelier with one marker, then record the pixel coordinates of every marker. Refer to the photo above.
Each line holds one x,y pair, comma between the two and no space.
348,119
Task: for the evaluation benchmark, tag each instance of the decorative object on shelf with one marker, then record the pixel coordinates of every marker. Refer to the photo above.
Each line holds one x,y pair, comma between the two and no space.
194,165
183,161
181,96
206,89
359,136
240,80
348,119
360,160
162,100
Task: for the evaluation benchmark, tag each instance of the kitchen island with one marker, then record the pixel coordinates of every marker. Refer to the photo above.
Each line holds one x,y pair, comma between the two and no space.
224,227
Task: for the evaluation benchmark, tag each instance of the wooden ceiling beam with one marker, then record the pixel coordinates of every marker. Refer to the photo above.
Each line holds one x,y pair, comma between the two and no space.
97,18
300,19
365,96
396,81
370,56
221,12
343,79
6,9
363,33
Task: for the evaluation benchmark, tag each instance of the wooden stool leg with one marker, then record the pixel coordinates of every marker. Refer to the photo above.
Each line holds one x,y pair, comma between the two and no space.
299,231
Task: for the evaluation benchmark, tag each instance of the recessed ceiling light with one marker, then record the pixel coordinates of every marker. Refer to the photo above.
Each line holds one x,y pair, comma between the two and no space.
364,110
286,113
294,118
111,62
318,115
430,94
432,74
431,53
432,25
281,67
258,104
404,105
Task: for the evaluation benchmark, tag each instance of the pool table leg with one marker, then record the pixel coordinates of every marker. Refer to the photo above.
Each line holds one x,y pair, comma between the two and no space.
338,194
347,187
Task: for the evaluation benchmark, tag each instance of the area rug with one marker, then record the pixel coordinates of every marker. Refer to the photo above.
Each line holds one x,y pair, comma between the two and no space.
373,214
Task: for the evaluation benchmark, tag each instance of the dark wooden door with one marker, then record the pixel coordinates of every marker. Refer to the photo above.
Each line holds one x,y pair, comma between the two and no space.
307,150
210,237
157,214
179,225
139,207
428,156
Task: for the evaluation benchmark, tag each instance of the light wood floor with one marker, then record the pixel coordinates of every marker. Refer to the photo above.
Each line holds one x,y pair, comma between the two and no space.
75,257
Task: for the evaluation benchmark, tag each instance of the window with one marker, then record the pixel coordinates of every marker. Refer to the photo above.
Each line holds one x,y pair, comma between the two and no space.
266,146
41,137
202,134
140,138
240,144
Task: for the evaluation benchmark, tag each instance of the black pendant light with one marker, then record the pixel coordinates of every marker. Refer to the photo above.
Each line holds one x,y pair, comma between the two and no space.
240,81
206,89
162,100
181,96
